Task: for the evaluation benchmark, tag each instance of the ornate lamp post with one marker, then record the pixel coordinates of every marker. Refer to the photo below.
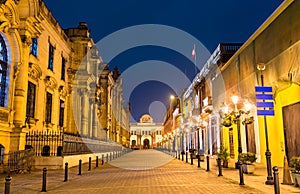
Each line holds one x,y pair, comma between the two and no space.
234,117
261,67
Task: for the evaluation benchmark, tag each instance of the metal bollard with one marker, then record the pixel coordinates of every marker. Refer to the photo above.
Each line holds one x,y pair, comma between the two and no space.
66,172
207,163
219,167
79,167
198,161
106,158
90,163
44,180
110,156
241,172
276,180
176,154
182,156
102,161
186,157
7,185
192,159
97,162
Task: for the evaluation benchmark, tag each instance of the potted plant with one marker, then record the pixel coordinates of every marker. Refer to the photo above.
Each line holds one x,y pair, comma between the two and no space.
294,165
224,155
247,159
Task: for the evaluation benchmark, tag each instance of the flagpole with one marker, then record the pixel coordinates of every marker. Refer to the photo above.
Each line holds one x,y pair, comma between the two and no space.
195,63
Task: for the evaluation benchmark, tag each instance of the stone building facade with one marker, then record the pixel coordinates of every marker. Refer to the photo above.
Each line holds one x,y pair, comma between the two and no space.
54,84
145,134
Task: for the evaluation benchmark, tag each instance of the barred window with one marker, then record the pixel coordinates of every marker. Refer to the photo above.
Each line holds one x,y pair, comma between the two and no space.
48,107
34,47
3,71
51,57
63,68
61,113
31,100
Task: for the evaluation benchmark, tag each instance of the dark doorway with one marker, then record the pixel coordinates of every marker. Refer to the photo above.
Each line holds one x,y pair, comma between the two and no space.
133,143
291,123
146,144
250,137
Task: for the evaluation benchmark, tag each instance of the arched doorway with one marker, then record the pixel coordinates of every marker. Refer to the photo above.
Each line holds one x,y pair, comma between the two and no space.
146,144
133,143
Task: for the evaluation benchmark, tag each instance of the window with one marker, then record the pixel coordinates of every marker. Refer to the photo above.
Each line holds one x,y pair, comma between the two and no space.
48,107
30,100
63,68
34,47
3,71
61,113
51,57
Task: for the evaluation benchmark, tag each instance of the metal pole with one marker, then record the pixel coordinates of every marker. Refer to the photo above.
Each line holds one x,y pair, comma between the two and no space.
241,173
44,180
207,163
276,180
97,162
192,159
186,157
198,161
219,167
90,163
66,172
269,180
7,185
79,167
102,162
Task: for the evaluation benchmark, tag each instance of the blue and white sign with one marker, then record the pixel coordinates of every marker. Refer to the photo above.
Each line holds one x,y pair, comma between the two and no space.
264,98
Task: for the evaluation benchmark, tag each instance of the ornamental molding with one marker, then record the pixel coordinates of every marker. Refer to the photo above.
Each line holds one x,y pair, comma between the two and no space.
34,72
50,83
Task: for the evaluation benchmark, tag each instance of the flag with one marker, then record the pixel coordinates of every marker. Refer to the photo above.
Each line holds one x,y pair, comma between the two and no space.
194,52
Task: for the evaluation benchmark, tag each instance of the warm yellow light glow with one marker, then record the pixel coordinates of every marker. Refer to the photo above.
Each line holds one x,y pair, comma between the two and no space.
204,123
247,105
261,66
172,97
235,99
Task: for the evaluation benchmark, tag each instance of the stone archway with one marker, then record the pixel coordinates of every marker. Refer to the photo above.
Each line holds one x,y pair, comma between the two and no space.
133,143
146,144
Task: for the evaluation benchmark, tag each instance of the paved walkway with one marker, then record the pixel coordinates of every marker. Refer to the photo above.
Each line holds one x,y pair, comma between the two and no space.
145,171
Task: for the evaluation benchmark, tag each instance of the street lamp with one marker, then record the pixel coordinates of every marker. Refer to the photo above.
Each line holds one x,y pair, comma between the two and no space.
234,117
261,67
235,100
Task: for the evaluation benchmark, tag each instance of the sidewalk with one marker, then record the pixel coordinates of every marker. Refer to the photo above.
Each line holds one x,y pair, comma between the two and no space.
255,180
161,174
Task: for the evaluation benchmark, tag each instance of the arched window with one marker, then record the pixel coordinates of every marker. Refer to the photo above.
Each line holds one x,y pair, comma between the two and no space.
3,71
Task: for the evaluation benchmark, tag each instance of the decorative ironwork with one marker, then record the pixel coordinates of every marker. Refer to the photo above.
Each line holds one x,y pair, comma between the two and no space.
48,143
20,161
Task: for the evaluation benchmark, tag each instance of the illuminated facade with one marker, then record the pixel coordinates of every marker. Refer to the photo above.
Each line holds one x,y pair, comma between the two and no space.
276,46
145,134
53,83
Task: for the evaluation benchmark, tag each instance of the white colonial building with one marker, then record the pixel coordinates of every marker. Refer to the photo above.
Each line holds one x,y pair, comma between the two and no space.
145,134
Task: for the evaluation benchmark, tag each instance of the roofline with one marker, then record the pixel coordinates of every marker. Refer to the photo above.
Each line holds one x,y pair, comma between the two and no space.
283,6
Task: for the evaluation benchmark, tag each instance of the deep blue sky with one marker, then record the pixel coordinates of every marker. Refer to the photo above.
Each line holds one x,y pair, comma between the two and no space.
211,22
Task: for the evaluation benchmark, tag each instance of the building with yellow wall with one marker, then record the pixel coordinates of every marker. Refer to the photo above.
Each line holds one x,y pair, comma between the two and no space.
53,86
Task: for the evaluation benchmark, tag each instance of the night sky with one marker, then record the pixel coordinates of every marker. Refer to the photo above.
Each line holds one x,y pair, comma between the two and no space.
157,63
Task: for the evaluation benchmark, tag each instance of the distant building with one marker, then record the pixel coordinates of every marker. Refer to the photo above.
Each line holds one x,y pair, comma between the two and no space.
145,134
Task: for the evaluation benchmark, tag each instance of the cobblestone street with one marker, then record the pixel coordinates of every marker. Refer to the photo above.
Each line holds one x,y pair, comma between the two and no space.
173,177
